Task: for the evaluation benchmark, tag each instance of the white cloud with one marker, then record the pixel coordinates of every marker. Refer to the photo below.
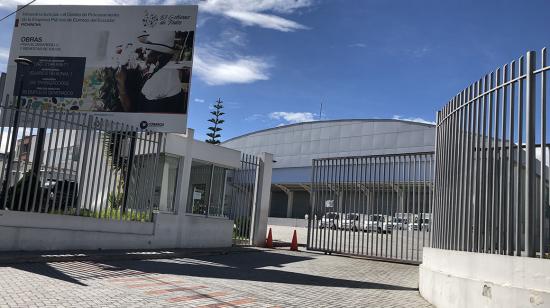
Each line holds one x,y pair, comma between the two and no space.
4,55
255,117
199,100
233,36
265,21
258,12
292,117
216,69
358,45
413,119
279,6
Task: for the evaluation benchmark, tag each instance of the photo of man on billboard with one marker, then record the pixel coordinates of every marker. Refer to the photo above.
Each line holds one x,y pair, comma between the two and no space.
151,78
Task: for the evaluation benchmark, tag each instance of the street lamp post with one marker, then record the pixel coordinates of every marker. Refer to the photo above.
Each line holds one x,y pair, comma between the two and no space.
22,68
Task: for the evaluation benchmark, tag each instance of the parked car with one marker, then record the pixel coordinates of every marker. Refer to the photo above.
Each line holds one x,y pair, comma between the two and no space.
21,195
399,223
378,223
330,220
422,223
351,221
63,193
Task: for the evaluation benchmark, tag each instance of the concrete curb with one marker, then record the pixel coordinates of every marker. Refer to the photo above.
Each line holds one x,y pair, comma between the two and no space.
7,258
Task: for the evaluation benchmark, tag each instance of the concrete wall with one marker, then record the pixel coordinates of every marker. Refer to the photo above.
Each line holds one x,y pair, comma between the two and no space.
36,231
465,279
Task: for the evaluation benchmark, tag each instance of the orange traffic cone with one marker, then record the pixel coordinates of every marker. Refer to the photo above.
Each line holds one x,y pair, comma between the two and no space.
294,244
269,240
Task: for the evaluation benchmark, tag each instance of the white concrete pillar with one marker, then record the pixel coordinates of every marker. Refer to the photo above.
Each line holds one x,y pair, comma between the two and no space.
262,197
184,176
289,203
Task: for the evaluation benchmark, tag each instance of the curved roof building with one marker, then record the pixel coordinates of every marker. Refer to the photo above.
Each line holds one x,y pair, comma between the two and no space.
295,146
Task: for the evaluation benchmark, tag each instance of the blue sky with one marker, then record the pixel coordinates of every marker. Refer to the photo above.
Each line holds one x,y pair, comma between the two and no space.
274,62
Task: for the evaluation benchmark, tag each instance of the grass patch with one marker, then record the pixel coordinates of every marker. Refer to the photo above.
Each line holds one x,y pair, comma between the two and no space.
109,213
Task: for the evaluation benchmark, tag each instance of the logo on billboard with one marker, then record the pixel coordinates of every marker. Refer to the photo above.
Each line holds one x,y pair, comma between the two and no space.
97,124
145,124
150,19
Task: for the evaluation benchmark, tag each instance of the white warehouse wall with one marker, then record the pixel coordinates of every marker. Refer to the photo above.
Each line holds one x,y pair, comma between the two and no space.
297,144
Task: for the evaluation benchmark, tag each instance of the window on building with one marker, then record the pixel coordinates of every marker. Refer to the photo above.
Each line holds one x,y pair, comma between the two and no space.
25,148
169,182
75,155
207,189
217,193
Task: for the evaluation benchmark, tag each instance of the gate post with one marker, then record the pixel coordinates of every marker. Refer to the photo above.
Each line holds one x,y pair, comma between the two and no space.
262,197
186,163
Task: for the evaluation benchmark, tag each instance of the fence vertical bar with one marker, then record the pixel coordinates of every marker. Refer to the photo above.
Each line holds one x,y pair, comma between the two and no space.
519,193
510,198
64,120
36,143
433,241
494,166
542,188
83,171
488,169
503,205
530,175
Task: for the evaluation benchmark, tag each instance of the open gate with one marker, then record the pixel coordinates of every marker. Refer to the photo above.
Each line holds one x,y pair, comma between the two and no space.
376,206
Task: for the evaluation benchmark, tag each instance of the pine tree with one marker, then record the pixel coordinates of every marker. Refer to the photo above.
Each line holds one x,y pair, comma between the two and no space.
217,121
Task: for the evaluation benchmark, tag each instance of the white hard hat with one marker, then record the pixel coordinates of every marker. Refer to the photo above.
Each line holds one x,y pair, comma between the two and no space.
161,41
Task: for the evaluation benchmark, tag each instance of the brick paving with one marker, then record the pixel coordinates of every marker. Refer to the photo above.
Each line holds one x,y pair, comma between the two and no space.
241,279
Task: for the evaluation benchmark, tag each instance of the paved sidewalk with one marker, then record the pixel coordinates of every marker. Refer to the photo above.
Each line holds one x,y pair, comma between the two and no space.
261,278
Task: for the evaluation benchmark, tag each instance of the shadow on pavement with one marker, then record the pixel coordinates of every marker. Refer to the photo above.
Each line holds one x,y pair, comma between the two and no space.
247,266
47,270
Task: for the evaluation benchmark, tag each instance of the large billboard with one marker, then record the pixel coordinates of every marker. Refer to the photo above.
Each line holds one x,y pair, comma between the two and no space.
126,63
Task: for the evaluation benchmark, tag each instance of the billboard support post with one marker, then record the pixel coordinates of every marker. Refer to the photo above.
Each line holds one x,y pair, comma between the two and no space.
131,154
22,66
37,158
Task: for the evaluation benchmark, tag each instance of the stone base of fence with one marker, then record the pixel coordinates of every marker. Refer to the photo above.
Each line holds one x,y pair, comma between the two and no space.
464,279
22,231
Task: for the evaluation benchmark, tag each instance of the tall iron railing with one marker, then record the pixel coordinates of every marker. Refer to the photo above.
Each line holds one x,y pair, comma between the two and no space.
73,163
377,206
243,186
492,163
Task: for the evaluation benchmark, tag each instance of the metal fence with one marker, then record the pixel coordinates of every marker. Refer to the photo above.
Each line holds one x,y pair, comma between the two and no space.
492,163
243,185
71,163
376,206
